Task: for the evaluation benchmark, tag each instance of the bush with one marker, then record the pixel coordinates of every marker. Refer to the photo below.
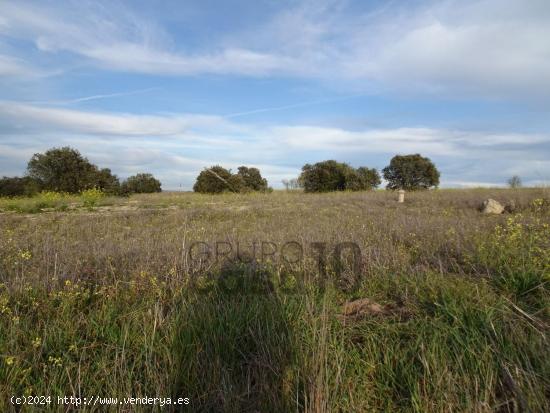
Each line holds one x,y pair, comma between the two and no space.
61,170
213,180
107,182
516,255
252,178
335,176
238,184
141,184
411,172
91,197
43,200
362,178
217,179
16,186
66,170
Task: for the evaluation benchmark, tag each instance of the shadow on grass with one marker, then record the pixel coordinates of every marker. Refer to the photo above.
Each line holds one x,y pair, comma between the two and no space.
233,347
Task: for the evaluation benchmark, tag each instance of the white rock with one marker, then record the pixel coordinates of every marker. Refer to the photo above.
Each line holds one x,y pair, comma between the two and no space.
490,206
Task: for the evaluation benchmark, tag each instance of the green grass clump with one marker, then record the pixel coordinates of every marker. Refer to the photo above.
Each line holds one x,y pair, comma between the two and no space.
516,256
460,346
233,353
43,201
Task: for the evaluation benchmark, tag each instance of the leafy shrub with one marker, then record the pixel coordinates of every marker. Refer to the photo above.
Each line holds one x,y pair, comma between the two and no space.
61,169
107,182
362,178
217,179
66,170
141,184
516,255
49,199
91,197
213,180
540,205
252,178
335,176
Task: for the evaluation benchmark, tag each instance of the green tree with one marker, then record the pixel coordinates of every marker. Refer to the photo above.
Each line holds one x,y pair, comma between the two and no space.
411,172
362,179
323,177
217,179
213,180
63,170
17,186
142,183
106,181
238,184
252,178
335,176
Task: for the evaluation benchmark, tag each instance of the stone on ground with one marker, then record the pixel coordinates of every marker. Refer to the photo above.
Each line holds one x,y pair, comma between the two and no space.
490,206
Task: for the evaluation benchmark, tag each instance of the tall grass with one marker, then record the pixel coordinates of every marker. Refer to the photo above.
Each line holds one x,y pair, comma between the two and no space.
102,303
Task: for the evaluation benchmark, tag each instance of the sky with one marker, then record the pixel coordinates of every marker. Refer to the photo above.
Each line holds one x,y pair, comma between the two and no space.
171,87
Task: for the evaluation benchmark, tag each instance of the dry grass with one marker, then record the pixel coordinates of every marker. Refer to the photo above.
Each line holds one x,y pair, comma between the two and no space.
104,299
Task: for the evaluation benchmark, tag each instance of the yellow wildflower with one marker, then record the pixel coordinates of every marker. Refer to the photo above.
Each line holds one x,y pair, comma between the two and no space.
55,361
25,255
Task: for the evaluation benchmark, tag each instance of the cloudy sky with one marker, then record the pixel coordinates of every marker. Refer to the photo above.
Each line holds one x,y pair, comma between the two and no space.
171,87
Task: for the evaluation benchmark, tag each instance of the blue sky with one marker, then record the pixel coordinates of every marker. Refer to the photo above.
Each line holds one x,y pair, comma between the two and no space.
171,87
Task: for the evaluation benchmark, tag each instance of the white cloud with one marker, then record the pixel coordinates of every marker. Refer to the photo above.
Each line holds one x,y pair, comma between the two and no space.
474,184
477,48
177,146
127,42
441,142
488,48
14,152
135,58
374,141
11,66
47,118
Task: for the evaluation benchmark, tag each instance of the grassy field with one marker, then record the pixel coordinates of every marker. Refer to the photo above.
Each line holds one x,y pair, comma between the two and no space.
446,311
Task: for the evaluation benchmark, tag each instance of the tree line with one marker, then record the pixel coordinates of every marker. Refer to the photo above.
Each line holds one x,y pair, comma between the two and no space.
409,172
66,170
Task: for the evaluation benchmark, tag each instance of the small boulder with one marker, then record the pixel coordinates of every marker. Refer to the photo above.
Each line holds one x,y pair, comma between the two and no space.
490,206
